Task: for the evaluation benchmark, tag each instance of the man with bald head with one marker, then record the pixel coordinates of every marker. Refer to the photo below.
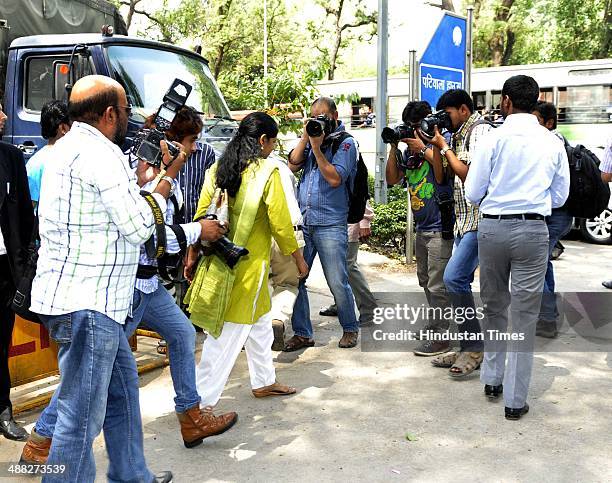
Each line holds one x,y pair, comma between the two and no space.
92,223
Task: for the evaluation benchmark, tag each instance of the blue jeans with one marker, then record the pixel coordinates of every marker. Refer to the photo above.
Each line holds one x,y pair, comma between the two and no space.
98,390
331,243
559,224
159,310
161,313
458,278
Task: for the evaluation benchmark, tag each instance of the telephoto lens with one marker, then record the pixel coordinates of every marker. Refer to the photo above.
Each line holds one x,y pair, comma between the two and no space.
439,118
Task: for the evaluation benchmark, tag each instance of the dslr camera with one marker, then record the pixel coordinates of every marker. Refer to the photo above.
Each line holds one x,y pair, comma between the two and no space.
439,118
393,135
320,125
146,141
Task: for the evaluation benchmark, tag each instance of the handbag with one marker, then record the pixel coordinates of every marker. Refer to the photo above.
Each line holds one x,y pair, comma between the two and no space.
23,295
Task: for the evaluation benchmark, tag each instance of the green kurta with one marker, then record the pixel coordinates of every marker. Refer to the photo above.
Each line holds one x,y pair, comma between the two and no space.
250,298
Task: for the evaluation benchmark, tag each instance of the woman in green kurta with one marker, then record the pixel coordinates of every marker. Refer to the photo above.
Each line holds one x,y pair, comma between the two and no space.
233,305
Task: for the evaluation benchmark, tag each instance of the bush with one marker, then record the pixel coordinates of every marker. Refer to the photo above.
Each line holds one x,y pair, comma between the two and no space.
389,224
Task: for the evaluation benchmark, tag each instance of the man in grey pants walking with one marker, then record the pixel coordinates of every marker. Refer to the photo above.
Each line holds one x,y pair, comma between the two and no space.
518,174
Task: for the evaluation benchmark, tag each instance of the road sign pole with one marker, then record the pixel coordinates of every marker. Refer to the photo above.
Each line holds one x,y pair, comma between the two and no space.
414,95
380,188
469,41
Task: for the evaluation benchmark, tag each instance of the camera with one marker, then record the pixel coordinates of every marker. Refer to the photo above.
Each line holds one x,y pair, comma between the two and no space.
146,141
439,118
393,135
224,248
320,125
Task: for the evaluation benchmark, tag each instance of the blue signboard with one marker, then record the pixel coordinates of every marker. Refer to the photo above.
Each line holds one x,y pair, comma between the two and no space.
442,65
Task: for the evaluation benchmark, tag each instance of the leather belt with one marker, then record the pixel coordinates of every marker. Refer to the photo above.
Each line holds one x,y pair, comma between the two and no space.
518,216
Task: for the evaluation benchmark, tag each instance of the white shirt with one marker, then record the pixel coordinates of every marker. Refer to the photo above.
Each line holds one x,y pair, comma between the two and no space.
192,234
289,187
92,223
520,167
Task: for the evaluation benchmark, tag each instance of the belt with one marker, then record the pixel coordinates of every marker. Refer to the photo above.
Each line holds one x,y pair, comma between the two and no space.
518,216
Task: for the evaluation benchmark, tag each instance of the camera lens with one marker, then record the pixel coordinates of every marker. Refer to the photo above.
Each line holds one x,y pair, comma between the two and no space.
389,135
314,128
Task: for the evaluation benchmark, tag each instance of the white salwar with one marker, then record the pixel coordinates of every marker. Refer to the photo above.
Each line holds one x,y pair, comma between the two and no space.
219,356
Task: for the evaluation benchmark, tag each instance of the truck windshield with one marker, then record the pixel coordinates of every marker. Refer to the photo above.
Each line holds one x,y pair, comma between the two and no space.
146,74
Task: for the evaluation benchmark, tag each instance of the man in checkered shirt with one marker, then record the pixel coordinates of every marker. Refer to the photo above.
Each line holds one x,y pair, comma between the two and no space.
468,129
92,223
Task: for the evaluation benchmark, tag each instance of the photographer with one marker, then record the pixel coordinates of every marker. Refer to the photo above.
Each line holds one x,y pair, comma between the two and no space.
323,196
92,223
468,130
430,186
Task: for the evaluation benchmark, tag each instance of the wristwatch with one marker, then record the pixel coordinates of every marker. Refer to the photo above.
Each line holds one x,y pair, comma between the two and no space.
444,150
169,180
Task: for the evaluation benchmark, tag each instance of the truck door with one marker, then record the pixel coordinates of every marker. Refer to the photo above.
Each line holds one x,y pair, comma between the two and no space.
41,77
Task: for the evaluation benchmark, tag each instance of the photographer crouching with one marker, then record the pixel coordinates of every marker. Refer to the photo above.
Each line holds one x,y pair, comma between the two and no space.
329,169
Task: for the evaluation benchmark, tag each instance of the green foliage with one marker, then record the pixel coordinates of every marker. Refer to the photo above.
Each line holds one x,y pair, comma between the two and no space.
389,223
508,32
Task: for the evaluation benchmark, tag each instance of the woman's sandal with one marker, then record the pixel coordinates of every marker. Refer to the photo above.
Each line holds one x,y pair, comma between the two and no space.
162,347
466,363
445,360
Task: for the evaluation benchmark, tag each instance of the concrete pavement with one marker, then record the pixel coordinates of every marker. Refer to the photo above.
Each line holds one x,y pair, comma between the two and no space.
392,416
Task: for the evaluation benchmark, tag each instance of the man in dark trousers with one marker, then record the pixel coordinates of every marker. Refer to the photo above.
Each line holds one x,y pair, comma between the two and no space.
16,223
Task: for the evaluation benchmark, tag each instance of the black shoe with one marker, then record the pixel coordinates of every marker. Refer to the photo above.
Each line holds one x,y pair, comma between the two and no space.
607,284
493,392
546,328
515,414
9,427
330,311
432,348
278,328
163,477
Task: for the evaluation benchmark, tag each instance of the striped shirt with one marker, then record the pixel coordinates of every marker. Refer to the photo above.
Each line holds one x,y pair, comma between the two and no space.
606,163
191,177
92,223
192,234
466,215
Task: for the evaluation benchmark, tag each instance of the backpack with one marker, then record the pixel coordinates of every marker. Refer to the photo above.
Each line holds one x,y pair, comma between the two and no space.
360,194
589,194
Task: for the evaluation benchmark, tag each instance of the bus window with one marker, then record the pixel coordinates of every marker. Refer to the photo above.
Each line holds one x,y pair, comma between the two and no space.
586,104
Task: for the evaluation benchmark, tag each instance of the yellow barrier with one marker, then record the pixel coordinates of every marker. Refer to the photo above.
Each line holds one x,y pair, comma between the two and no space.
32,355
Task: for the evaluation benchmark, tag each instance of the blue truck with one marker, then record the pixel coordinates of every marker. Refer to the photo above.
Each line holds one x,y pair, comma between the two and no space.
35,69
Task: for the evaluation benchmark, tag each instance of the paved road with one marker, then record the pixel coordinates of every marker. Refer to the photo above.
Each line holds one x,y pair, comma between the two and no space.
355,412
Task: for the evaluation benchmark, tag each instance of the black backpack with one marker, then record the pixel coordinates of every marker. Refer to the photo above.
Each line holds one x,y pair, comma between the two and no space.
589,194
360,193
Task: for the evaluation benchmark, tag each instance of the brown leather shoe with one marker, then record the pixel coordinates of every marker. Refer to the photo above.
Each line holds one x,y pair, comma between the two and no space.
36,449
349,339
197,424
276,389
296,343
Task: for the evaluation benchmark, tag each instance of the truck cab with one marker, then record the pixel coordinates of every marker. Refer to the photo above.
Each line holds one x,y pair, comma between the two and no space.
40,67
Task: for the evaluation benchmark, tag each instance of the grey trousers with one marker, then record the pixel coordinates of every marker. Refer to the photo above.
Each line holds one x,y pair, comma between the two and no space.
432,255
366,303
513,255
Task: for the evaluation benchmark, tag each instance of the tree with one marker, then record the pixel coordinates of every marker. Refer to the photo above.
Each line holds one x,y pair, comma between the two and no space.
335,33
531,31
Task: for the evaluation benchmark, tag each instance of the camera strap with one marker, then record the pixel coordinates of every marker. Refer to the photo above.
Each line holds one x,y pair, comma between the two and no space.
155,250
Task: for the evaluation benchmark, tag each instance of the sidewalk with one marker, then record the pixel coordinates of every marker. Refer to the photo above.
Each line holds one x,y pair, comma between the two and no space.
392,416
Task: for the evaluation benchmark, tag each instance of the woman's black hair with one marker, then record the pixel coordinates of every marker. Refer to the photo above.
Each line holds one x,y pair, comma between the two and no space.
243,148
53,114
